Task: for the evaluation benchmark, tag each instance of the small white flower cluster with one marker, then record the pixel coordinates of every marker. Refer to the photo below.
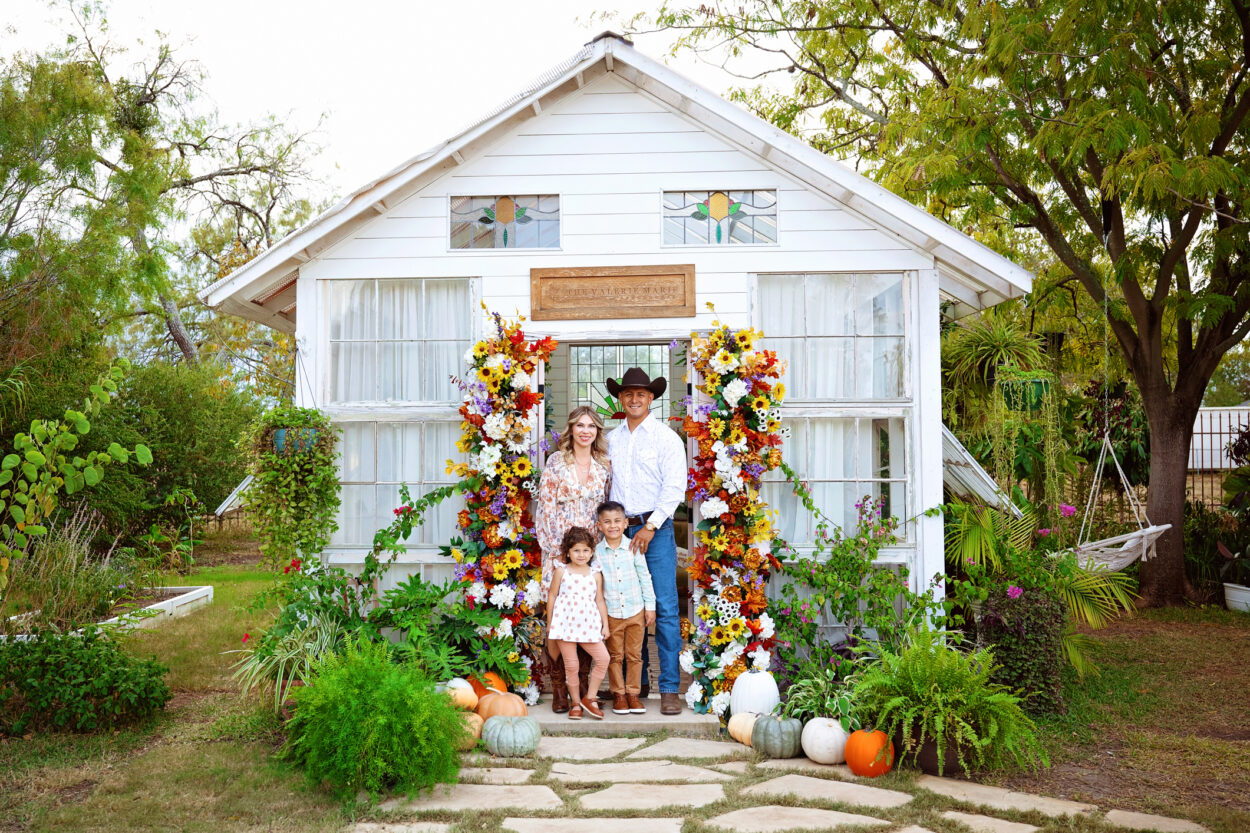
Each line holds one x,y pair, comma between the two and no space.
529,693
733,392
694,694
686,661
502,596
727,468
476,592
760,659
719,703
713,507
504,629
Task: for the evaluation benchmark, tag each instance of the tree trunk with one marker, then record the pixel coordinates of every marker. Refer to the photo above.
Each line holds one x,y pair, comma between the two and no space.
178,330
1163,579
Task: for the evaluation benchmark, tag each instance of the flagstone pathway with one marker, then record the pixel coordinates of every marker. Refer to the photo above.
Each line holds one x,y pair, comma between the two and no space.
657,784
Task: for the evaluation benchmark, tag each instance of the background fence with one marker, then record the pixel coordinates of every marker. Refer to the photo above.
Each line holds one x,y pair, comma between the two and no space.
1208,456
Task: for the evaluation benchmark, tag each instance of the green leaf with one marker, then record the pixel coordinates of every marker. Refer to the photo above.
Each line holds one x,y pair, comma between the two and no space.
30,472
10,460
18,513
19,539
143,454
6,476
36,529
91,475
35,457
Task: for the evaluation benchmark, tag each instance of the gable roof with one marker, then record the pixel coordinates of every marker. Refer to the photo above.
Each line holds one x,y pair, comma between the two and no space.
972,275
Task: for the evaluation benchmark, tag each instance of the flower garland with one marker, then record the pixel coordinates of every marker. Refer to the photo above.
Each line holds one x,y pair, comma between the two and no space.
498,560
739,437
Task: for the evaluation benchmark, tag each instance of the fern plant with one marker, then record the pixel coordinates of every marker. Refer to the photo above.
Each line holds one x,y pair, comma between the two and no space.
932,690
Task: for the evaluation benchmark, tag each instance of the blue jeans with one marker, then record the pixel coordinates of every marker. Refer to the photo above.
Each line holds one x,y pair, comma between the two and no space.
662,563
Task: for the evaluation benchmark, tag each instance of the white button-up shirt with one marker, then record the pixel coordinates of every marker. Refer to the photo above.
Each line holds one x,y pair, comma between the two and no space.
648,469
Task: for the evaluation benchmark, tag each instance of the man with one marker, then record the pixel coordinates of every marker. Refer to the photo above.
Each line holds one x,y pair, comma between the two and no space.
649,479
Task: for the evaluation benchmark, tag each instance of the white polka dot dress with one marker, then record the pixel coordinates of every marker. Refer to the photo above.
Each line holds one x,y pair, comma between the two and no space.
576,615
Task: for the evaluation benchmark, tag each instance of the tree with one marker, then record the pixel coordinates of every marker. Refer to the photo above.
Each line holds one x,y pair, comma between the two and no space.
1108,140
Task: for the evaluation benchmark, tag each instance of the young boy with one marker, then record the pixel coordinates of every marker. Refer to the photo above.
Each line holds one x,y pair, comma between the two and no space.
631,607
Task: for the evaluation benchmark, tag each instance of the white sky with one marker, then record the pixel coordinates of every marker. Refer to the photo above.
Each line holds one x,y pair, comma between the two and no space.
392,77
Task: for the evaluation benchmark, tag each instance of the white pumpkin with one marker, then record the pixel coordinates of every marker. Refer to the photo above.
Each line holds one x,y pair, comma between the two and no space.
740,726
824,741
754,691
462,693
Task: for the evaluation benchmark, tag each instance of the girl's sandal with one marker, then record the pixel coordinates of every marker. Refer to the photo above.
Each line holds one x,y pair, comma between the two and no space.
575,711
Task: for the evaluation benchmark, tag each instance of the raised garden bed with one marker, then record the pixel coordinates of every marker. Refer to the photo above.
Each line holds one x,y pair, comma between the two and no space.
166,603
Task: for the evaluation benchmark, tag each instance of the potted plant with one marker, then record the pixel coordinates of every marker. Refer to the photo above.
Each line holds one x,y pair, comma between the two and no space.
1236,577
1023,390
938,704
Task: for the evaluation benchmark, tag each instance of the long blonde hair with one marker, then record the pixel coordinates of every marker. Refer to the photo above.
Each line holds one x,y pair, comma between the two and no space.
598,448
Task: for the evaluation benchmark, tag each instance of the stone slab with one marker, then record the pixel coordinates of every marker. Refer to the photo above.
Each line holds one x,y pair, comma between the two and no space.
477,796
733,767
495,775
804,786
402,827
914,828
653,796
989,824
586,749
686,723
807,765
1001,799
634,771
772,818
1146,821
690,748
516,825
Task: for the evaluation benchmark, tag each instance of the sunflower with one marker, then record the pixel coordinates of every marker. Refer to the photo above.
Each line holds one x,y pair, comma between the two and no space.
735,627
704,612
523,467
480,349
779,392
514,657
493,385
760,403
743,339
716,427
501,571
719,635
513,559
487,374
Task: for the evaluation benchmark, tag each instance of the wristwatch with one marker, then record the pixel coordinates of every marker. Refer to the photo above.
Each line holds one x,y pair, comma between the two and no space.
650,526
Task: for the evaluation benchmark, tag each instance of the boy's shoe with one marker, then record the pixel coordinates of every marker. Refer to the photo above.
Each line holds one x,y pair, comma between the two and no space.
575,712
636,706
620,704
592,708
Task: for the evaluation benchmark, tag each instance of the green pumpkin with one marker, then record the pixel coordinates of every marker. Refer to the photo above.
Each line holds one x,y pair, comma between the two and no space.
511,737
777,737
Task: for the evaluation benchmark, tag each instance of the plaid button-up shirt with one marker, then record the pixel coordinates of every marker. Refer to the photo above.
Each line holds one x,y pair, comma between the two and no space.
626,580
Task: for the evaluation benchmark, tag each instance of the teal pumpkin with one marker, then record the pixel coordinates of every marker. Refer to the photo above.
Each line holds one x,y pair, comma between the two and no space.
777,737
511,737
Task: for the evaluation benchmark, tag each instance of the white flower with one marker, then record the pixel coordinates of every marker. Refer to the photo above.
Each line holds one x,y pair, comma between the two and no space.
502,596
469,356
488,458
504,630
520,380
760,659
483,630
720,702
506,530
686,660
496,426
694,694
496,360
731,653
767,628
533,591
477,591
723,361
713,507
733,392
530,694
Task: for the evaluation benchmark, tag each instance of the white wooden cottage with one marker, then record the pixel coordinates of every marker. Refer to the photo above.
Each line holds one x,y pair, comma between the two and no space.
610,202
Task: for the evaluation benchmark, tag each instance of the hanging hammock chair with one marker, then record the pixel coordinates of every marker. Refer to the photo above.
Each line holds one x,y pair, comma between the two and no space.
1122,550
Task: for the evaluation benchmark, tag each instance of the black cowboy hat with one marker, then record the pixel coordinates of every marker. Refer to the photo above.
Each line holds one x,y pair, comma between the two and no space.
636,377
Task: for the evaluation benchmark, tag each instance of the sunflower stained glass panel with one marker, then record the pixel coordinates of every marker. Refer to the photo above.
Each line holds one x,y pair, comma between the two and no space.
506,222
720,218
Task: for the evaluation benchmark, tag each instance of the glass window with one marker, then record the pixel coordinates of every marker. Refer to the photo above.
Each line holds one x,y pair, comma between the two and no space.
843,335
375,459
841,460
397,340
506,222
591,365
720,218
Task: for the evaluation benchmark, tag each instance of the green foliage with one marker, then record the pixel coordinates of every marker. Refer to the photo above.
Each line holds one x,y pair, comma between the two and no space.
367,723
932,690
972,354
822,692
43,465
286,657
1205,529
1026,636
294,496
78,682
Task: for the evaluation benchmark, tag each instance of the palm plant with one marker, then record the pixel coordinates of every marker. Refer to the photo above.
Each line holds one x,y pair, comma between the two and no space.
974,352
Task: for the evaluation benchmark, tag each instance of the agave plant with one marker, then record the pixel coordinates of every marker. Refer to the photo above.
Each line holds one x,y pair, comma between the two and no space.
284,660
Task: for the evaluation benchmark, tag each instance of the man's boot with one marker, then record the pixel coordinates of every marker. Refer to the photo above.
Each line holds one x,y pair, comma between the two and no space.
559,688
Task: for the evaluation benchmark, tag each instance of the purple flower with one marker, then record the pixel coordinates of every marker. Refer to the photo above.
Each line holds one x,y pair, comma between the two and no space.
672,345
1042,533
1014,592
1067,511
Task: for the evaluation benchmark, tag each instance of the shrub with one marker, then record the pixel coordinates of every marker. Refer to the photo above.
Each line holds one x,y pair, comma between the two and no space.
1025,634
1205,529
932,690
365,722
77,682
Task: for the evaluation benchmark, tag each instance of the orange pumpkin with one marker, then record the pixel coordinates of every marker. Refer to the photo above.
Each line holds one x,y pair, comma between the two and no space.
484,684
472,730
501,703
869,753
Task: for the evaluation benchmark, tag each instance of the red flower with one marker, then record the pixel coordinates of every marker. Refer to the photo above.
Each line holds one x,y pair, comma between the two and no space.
246,637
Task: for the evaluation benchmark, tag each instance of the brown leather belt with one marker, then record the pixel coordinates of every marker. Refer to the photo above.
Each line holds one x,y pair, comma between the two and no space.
637,520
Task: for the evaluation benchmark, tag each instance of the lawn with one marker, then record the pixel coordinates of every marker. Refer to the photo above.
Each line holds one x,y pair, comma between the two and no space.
1164,728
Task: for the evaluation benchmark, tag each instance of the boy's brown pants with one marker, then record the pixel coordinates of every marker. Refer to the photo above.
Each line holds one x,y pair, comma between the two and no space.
625,643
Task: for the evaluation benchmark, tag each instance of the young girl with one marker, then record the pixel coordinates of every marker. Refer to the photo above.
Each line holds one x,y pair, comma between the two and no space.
577,615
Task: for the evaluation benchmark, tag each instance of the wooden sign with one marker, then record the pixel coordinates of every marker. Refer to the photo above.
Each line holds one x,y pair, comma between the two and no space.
612,292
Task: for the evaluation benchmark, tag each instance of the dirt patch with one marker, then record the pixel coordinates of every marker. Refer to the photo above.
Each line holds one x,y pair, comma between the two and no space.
75,792
236,551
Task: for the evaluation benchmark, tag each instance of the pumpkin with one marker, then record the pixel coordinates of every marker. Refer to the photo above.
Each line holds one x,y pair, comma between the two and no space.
487,682
511,737
472,730
501,703
740,726
462,694
824,740
777,737
754,691
869,753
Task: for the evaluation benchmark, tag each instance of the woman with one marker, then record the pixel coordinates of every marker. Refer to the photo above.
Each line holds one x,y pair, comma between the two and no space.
575,481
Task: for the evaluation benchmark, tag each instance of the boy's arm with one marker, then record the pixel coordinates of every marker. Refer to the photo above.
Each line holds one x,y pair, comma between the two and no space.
603,605
648,590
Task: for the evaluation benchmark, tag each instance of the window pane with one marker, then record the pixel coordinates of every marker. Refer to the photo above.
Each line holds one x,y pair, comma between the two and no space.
833,372
792,516
355,517
885,357
879,304
443,361
832,448
781,305
399,373
446,310
352,310
829,300
399,452
399,309
440,444
837,500
356,452
720,218
353,371
505,221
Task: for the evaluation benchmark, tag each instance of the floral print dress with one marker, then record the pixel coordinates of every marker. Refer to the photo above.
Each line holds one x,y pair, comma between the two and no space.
563,502
576,616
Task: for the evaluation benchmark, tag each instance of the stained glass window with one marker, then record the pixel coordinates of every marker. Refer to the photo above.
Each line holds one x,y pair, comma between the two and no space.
720,218
506,222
